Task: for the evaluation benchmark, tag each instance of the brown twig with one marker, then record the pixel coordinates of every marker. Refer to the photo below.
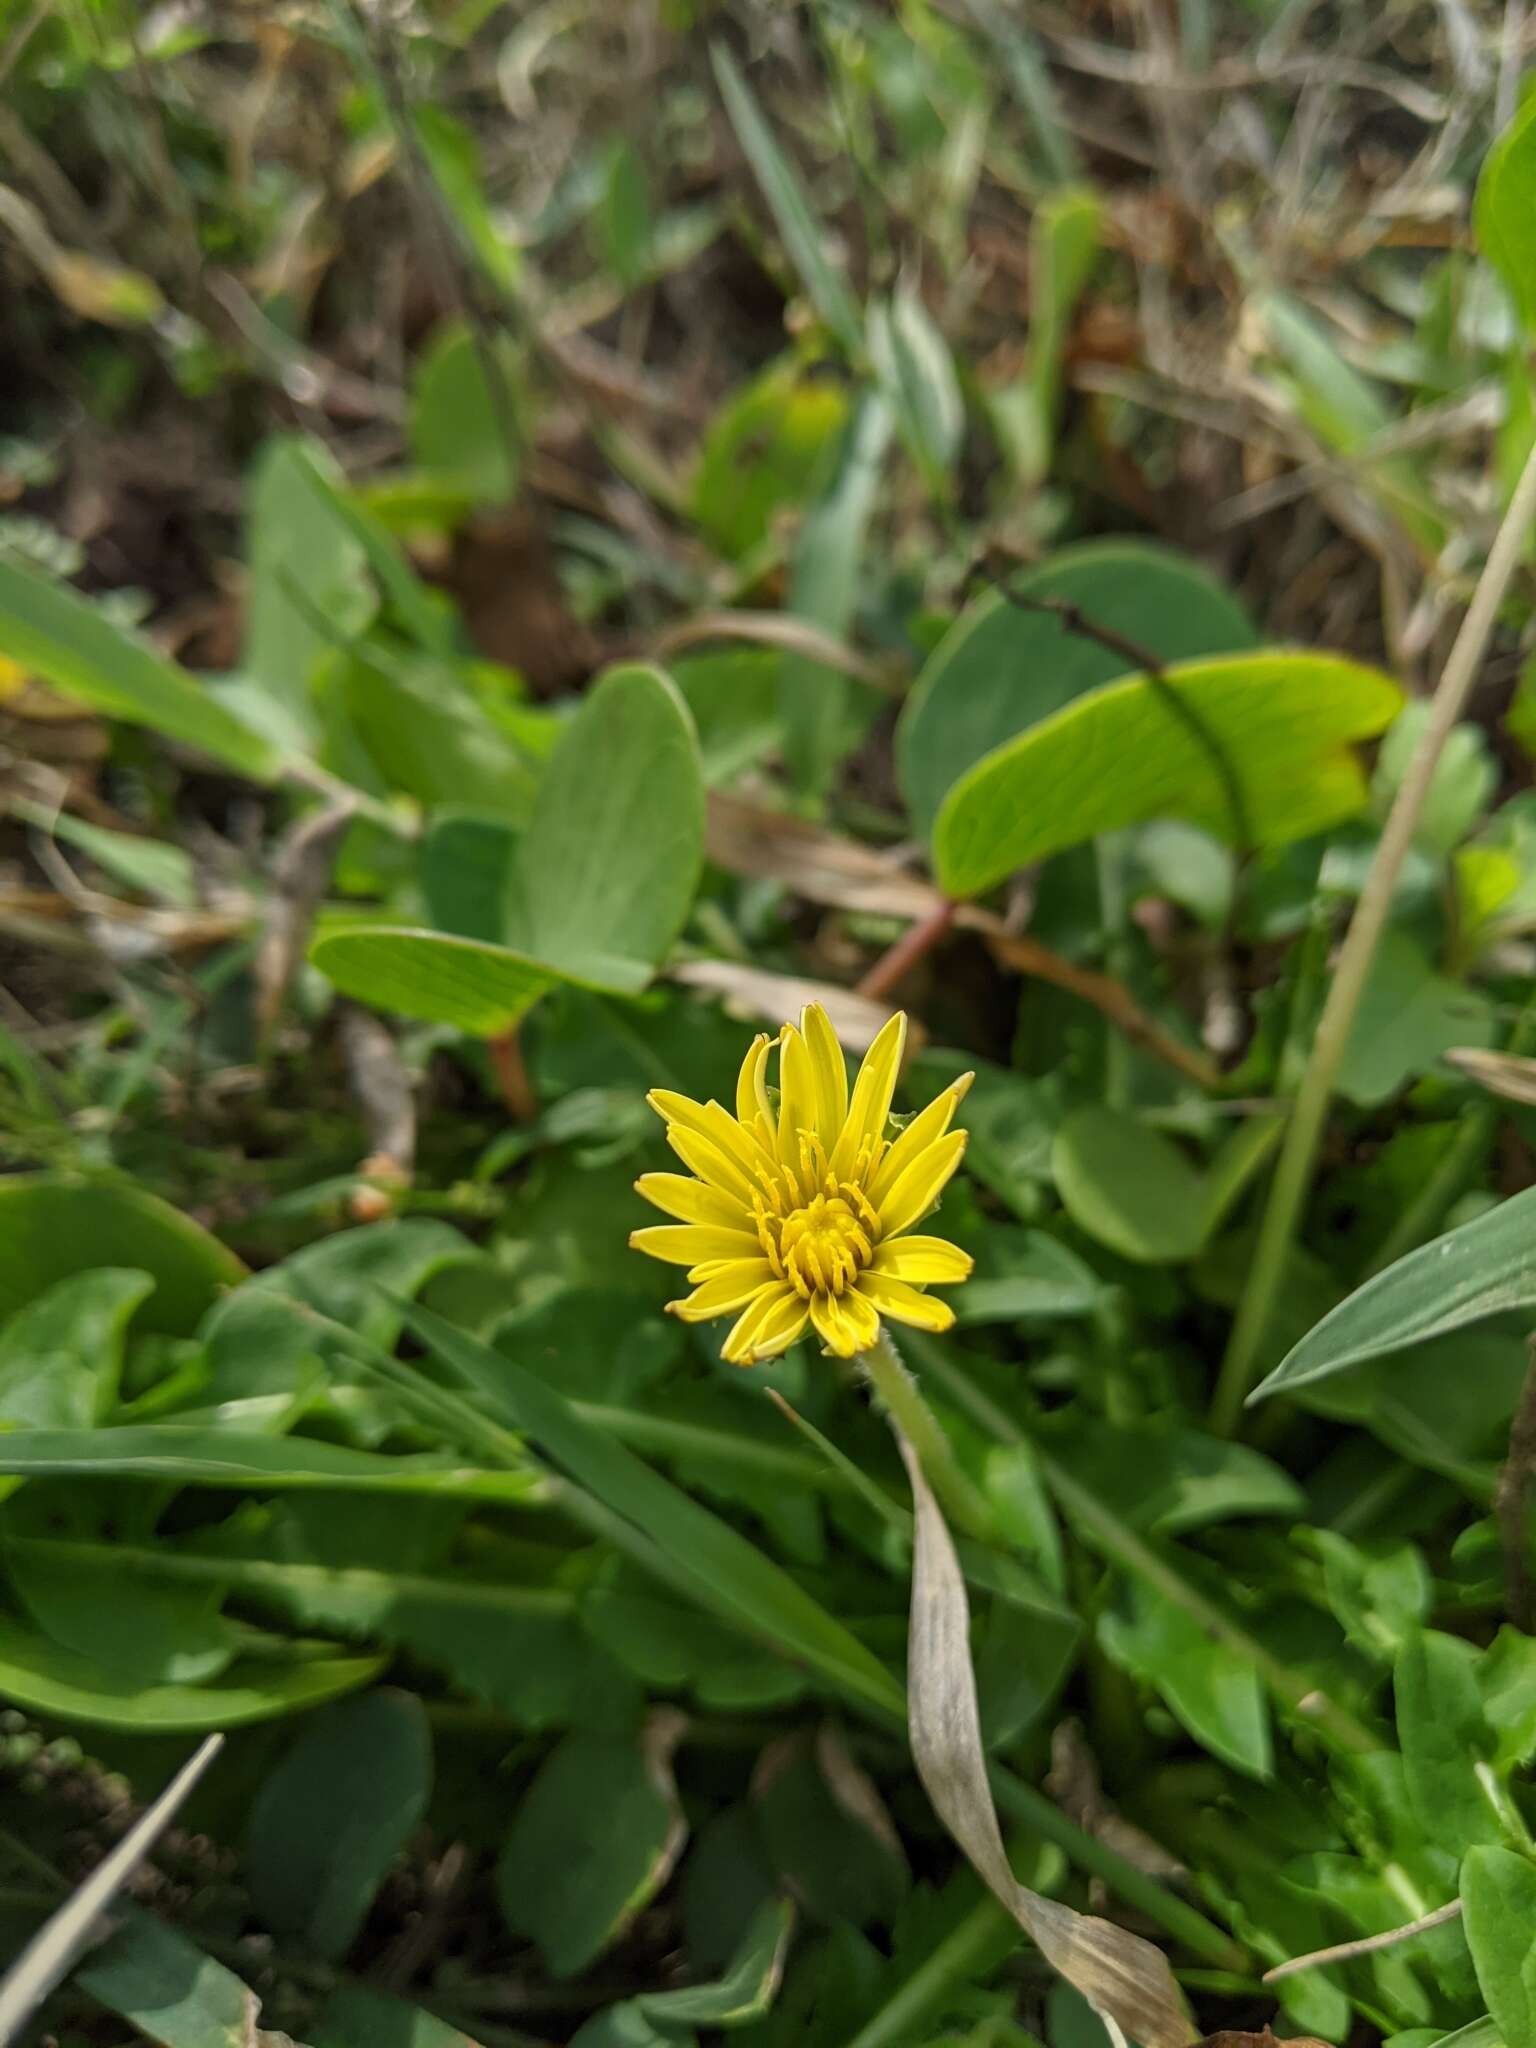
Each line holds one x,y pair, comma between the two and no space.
1510,1498
994,568
1106,994
1367,1945
898,960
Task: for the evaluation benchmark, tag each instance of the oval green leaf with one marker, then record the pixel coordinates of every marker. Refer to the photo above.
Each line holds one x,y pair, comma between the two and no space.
1498,1894
1504,212
1485,1268
60,636
1124,755
330,1819
53,1226
597,890
1001,668
1129,1187
48,1679
469,983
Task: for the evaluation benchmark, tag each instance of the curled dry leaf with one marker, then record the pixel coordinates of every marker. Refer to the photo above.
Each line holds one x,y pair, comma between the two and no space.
382,1088
1501,1073
1125,1979
1075,1785
758,993
299,876
1268,2039
750,839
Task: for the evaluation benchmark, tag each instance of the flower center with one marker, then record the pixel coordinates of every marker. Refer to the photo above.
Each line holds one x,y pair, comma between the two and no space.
823,1247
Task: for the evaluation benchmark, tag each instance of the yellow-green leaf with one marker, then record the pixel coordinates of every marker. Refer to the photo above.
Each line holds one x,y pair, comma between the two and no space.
1282,721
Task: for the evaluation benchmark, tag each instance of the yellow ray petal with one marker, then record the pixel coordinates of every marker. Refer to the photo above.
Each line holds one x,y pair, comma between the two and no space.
709,1120
691,1201
903,1304
919,1187
797,1093
925,1127
830,1071
752,1081
769,1324
691,1244
864,1124
925,1261
732,1286
712,1165
846,1323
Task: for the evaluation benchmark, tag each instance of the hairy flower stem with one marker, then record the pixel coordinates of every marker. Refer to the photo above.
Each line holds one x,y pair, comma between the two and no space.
961,1499
1293,1174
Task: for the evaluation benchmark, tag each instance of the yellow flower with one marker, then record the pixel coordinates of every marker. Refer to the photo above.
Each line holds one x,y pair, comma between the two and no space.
802,1212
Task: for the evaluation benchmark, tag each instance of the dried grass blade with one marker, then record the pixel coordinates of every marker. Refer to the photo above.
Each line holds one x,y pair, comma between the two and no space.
1125,1979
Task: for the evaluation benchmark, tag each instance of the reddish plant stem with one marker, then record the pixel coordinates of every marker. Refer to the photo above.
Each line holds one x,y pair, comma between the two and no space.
898,960
511,1071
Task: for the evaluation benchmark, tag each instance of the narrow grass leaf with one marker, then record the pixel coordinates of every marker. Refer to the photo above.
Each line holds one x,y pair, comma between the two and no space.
65,640
1485,1268
825,286
728,1573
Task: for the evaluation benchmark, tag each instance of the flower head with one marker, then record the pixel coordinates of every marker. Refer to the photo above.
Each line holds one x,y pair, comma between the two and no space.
802,1208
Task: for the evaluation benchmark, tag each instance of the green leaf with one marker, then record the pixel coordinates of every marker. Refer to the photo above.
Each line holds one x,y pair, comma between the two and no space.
1128,1186
826,287
1445,1739
1063,249
454,156
1409,1017
746,1990
48,1679
1465,778
1485,1268
169,1991
476,987
626,227
149,866
827,1833
244,1458
724,1571
733,696
167,1633
328,1821
466,868
592,1842
1136,1191
1002,668
61,637
1214,1691
1122,756
1498,1894
613,853
53,1226
602,879
62,1355
1044,1278
1503,213
459,423
763,451
362,2016
824,587
917,371
309,585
